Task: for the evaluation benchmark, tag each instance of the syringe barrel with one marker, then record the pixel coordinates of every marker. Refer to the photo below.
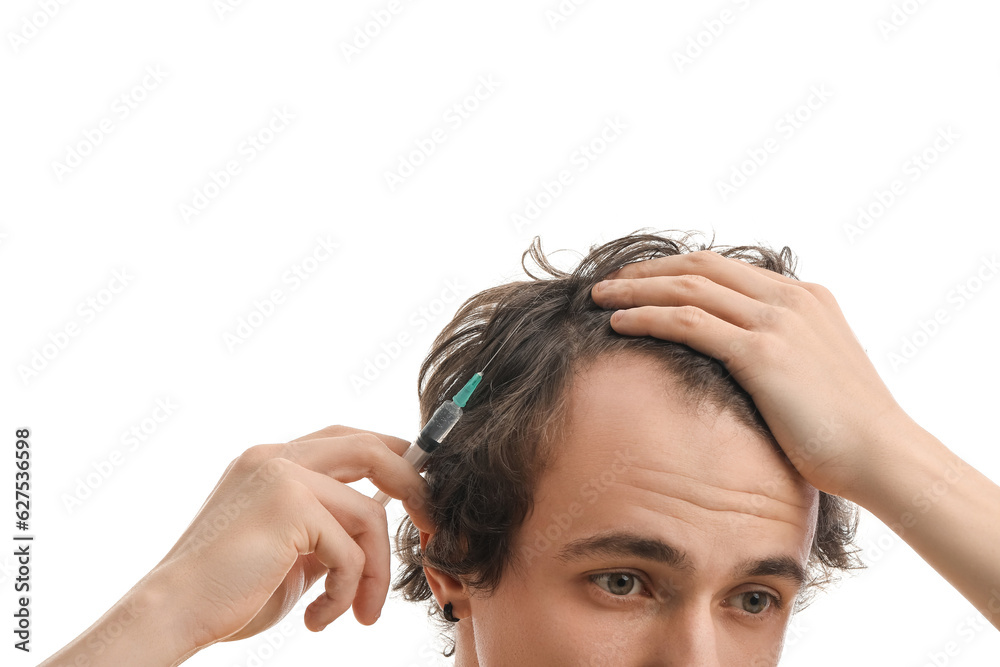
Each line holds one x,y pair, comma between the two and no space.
439,426
431,435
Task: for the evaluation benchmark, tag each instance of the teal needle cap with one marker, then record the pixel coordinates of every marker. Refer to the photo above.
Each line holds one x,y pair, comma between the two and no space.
462,397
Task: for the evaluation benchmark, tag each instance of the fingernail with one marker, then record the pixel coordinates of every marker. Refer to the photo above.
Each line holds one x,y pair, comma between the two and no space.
603,285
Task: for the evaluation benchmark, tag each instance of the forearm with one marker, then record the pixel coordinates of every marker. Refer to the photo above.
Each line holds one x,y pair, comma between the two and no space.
945,509
141,629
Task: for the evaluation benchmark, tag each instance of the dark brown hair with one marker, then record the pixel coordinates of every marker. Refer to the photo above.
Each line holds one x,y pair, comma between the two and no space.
482,479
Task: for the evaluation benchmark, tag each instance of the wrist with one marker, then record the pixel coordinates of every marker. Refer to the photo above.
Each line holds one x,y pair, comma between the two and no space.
904,462
164,614
153,625
143,628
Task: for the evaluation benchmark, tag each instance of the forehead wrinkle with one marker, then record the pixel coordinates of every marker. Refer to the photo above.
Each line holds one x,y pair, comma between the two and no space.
746,510
660,514
699,480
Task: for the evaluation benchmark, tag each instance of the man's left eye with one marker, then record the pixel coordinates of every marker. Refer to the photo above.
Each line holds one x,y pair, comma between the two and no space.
618,583
752,602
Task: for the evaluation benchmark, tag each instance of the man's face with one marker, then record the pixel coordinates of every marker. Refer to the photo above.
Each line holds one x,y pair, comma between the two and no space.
658,537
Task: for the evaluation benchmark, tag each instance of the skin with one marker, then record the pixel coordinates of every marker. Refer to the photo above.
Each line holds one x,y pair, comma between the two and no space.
694,479
787,344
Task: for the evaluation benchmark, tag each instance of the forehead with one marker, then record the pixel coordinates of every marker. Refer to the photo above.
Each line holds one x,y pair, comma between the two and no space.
636,454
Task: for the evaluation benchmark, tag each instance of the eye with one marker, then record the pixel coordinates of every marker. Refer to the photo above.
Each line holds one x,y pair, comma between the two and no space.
753,602
618,583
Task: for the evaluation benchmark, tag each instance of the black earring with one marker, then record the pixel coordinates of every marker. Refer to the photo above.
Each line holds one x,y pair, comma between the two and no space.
448,615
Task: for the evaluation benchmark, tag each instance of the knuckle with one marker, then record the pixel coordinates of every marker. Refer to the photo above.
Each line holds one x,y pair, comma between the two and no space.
375,514
689,317
275,469
368,442
255,456
623,287
621,294
768,315
793,295
821,293
330,431
354,557
703,257
372,449
692,283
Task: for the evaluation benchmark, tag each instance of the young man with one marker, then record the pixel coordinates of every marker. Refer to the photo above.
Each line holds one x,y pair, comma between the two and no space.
609,497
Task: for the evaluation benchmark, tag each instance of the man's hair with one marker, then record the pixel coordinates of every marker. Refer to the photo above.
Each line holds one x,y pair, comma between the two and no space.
483,477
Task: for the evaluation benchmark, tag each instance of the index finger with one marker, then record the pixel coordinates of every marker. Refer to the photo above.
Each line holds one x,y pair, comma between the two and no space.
397,445
362,454
754,281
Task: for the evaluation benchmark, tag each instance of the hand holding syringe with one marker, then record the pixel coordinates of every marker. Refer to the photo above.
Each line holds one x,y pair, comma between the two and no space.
441,422
436,430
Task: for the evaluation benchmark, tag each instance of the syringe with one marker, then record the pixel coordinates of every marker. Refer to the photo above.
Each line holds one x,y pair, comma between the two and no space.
436,430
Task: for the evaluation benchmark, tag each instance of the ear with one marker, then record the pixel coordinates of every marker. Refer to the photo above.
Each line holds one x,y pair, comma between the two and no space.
445,587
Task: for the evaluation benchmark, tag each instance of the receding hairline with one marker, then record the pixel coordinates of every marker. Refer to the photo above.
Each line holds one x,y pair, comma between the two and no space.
698,403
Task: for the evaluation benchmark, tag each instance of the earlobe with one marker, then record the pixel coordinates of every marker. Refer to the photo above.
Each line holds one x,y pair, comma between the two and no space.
450,593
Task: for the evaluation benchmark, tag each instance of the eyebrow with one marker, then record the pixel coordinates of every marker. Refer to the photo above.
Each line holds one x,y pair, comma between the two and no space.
626,545
784,567
619,544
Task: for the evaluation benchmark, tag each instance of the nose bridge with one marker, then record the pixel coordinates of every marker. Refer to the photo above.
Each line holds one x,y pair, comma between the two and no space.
690,639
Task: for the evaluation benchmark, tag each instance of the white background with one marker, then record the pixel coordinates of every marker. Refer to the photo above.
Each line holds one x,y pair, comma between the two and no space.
686,127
